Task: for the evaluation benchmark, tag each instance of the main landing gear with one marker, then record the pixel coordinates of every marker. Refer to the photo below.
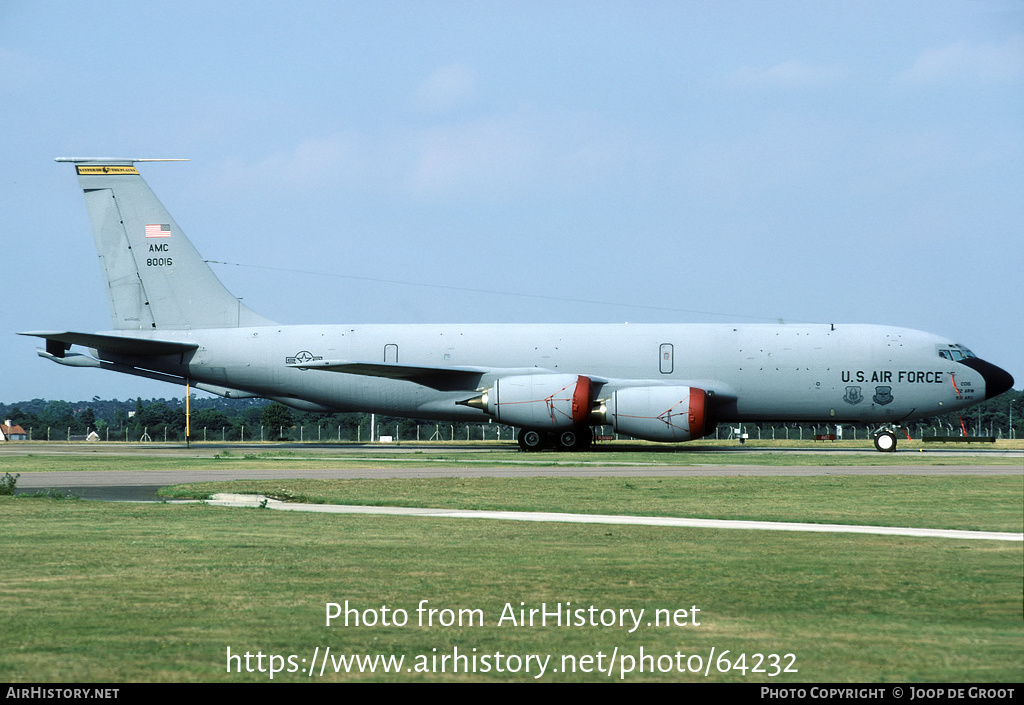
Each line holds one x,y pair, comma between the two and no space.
579,438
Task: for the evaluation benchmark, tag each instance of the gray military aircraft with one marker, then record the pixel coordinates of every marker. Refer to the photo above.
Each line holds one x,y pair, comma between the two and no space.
174,321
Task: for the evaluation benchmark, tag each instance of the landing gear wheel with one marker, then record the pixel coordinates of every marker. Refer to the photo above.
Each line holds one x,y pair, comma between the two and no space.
530,440
575,439
567,440
885,442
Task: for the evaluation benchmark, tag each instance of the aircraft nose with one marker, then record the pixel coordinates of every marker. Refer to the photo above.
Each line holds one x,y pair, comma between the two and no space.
997,380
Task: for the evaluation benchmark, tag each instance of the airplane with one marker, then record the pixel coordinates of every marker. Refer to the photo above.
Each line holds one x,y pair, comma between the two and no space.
174,321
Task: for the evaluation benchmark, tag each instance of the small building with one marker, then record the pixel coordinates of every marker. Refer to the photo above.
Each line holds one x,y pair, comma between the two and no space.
9,432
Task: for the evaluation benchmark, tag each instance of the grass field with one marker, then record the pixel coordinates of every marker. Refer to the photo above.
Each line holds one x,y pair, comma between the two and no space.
100,592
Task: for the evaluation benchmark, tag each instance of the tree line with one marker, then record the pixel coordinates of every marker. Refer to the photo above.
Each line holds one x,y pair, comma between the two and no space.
217,419
259,419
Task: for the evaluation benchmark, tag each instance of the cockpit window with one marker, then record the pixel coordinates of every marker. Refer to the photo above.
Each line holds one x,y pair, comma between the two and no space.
956,353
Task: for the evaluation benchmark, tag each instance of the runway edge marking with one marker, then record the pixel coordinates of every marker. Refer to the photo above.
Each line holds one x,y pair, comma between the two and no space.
243,500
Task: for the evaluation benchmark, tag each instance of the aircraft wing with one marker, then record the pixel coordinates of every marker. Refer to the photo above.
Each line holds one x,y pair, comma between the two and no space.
120,344
447,377
391,370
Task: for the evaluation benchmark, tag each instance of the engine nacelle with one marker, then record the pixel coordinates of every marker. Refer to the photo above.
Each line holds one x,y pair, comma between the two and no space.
544,401
658,413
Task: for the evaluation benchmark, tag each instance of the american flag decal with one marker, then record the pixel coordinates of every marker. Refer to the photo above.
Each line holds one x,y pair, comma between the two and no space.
158,231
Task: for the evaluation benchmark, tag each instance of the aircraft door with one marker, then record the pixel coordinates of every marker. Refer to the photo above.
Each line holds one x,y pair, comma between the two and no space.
666,362
391,353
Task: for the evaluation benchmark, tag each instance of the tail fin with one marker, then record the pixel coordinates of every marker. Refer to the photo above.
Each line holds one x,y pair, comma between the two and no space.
155,277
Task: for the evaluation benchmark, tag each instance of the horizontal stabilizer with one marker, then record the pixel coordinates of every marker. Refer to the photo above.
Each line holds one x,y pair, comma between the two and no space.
122,345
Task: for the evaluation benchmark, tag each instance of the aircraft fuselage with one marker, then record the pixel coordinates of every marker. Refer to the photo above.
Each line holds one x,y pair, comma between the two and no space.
845,373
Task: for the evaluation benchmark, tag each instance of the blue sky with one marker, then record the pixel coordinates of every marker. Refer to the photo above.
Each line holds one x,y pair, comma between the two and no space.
857,162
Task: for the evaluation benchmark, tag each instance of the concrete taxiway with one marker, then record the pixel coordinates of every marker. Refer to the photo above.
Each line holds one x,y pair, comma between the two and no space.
142,485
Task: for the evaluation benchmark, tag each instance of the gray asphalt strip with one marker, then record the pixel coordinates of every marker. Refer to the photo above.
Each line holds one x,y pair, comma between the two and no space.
241,500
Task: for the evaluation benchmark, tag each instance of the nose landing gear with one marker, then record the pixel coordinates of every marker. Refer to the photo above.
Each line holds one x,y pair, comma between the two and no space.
885,441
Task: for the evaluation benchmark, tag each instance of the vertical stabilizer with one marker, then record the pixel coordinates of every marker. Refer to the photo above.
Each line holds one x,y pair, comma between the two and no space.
155,277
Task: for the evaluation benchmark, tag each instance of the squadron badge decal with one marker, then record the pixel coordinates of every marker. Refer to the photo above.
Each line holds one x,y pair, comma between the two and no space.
853,395
883,395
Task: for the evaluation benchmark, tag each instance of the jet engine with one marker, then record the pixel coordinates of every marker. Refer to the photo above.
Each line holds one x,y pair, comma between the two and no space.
544,401
657,413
